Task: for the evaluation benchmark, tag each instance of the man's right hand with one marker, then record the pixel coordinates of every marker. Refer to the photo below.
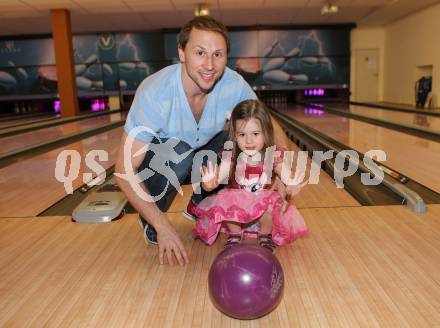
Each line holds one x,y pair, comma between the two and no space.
170,244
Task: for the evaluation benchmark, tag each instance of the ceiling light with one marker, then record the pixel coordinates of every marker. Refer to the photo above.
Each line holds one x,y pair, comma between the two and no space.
328,8
201,10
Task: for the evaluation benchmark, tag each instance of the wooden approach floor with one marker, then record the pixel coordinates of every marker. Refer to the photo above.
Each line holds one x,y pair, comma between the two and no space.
359,267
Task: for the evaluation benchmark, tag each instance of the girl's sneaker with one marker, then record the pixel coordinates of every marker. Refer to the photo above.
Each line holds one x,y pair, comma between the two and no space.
266,241
189,212
233,239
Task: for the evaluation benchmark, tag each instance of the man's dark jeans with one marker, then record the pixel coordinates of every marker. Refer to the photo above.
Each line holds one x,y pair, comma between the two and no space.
157,183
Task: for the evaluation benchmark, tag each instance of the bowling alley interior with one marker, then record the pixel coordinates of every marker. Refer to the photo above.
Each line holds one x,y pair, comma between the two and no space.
353,91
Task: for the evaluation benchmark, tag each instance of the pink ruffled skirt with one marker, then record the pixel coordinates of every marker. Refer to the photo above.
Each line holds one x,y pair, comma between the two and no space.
244,207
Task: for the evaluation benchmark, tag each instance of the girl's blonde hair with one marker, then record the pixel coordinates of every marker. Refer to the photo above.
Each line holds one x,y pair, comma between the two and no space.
245,111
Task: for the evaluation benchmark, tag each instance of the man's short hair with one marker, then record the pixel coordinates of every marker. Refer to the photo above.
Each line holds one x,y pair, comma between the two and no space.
205,23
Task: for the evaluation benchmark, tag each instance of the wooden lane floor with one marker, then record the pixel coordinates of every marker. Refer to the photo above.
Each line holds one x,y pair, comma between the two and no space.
415,157
359,266
19,119
29,187
16,142
419,121
406,106
5,124
321,195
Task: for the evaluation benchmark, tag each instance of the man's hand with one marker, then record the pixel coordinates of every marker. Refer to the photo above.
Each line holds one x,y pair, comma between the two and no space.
279,186
170,244
210,176
294,189
287,191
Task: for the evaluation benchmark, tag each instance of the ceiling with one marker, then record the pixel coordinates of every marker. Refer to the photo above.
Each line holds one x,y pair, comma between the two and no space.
33,16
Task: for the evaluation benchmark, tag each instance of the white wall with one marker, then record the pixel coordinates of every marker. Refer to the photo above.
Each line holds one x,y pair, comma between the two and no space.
367,38
403,46
410,42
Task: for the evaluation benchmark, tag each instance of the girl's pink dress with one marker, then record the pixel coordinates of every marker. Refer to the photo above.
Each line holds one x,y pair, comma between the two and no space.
245,203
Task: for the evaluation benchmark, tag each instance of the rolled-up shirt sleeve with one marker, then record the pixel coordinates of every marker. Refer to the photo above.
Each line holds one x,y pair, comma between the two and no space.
144,121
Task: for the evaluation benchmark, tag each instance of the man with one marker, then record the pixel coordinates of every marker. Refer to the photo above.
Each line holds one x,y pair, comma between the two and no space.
176,113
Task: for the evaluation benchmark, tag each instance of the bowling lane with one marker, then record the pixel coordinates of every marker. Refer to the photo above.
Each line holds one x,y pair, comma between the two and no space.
399,106
28,187
415,157
418,121
323,194
320,195
6,124
30,138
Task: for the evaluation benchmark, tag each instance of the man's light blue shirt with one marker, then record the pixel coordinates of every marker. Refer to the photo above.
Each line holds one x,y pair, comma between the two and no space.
160,106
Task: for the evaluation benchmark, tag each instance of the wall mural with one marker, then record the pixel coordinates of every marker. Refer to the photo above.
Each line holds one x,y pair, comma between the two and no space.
117,62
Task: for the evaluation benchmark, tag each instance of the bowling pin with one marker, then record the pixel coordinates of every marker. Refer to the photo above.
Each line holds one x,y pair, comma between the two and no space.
276,76
273,63
127,66
107,69
80,69
298,79
91,60
7,80
83,83
122,84
20,71
268,51
141,65
325,61
293,53
22,74
311,61
291,65
144,66
98,85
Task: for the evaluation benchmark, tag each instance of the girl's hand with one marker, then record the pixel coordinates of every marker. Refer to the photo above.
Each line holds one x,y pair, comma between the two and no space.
210,176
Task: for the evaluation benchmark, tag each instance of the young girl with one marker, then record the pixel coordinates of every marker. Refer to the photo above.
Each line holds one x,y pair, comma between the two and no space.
247,205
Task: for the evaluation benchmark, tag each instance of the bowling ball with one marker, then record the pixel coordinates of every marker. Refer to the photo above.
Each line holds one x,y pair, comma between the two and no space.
246,281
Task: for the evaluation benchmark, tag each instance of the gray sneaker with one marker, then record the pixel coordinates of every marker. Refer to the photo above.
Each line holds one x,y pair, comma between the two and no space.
189,212
150,234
